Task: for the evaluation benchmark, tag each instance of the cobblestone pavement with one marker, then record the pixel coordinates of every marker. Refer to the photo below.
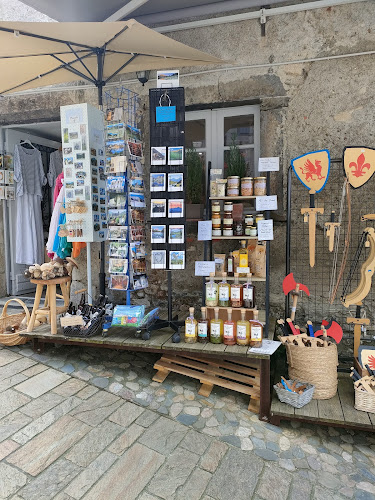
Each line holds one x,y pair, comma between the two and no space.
91,424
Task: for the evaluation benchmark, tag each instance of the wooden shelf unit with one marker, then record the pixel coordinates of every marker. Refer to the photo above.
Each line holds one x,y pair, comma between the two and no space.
231,278
229,198
236,313
235,237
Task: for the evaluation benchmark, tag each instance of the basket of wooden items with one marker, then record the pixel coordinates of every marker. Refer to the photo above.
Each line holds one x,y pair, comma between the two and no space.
294,393
11,325
364,390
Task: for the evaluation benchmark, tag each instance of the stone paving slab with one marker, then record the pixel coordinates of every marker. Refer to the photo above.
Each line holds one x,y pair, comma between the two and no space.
42,383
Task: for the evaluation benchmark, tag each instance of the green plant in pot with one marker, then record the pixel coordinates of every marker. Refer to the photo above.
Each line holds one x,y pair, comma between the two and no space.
234,160
194,184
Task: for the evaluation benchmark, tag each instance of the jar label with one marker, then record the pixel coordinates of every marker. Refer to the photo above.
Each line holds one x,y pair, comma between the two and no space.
256,332
248,293
228,331
215,330
211,293
224,293
235,293
202,330
241,332
190,330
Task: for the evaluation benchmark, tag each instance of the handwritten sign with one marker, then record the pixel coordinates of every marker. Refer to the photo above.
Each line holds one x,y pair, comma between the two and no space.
216,171
265,230
271,164
268,347
204,230
204,268
71,321
264,203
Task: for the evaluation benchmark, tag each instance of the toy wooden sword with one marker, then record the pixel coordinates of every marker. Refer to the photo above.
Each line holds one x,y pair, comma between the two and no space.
310,216
331,230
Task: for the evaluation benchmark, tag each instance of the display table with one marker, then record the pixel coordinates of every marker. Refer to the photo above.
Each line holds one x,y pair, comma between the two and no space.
161,342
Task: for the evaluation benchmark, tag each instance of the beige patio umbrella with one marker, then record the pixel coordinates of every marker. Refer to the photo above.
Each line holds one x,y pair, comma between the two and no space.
39,54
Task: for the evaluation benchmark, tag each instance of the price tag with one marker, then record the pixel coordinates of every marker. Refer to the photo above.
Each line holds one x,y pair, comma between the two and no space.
268,347
204,268
216,171
264,203
71,321
204,230
271,164
265,230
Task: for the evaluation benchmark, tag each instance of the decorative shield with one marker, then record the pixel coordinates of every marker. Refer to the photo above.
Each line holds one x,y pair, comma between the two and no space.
366,356
312,169
359,165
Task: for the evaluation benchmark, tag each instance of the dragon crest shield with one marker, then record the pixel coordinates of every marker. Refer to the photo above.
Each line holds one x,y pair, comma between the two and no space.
359,165
312,169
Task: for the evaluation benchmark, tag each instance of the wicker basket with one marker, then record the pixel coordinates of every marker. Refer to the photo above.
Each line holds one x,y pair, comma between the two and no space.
96,328
5,320
293,398
364,401
318,366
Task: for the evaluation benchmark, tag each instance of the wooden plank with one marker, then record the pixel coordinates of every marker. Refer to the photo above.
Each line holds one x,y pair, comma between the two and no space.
158,339
205,390
246,370
308,411
182,346
238,350
346,395
161,375
330,410
214,348
279,408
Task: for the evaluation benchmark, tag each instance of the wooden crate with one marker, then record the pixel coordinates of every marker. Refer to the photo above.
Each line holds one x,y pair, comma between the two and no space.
362,371
241,376
236,313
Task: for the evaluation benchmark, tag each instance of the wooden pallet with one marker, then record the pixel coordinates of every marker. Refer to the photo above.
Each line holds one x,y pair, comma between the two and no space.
241,376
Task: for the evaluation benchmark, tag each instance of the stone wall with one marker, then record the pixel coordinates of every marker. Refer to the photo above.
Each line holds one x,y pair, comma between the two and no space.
304,105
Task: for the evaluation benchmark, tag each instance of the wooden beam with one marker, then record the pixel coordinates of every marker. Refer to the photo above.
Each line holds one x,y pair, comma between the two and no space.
127,9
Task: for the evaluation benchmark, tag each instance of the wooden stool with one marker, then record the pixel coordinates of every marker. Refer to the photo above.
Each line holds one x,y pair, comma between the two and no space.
50,309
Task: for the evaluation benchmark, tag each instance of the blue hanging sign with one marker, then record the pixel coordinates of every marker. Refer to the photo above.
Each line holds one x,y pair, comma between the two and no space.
165,114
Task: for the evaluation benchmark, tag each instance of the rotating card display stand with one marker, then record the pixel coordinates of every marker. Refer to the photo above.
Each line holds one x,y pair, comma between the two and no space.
125,190
167,182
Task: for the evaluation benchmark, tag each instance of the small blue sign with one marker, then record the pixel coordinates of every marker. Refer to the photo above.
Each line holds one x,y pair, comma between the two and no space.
165,114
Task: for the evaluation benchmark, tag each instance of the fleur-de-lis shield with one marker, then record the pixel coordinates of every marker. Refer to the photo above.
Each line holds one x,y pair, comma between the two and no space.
312,169
359,165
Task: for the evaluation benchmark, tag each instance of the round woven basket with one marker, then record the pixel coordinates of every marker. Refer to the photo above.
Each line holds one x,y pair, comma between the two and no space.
7,338
317,366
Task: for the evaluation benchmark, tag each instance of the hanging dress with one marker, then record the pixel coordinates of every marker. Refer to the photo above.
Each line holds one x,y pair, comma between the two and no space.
55,169
30,178
53,227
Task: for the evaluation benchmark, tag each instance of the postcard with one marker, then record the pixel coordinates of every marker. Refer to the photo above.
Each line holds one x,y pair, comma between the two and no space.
158,259
9,177
94,162
9,193
84,142
175,182
175,208
137,233
117,217
117,249
78,192
138,250
2,193
68,172
140,282
157,234
69,185
117,201
157,182
68,151
69,194
73,135
7,162
159,208
115,148
117,233
117,164
136,167
109,116
137,200
133,133
136,184
80,156
176,234
116,184
168,78
135,149
115,131
137,216
2,176
158,155
95,198
101,234
118,282
176,155
69,160
82,128
177,259
65,135
93,151
78,165
119,266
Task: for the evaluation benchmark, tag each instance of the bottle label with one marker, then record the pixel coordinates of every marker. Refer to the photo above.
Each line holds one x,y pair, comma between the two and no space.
248,294
215,330
235,293
243,270
244,261
202,330
228,331
241,332
256,332
230,265
224,293
190,330
211,293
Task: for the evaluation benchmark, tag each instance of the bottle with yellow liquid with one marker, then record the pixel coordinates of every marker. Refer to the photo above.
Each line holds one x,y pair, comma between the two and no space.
216,328
244,260
243,330
256,331
212,294
191,327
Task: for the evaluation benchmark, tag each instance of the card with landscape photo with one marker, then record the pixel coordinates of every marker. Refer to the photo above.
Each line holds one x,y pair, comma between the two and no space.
159,208
177,259
137,185
175,208
176,234
158,155
158,259
176,155
157,234
135,149
175,182
157,182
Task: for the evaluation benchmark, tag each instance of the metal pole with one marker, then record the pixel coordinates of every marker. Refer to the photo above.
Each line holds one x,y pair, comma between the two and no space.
288,229
268,246
89,275
169,295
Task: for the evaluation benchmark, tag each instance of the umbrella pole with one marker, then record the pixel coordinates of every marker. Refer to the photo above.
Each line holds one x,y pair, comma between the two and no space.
100,85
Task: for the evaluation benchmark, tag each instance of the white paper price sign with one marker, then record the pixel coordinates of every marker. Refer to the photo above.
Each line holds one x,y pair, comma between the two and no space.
204,268
204,230
264,203
265,230
271,164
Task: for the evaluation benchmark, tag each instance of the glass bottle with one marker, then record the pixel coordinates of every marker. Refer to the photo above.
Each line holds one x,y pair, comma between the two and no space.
191,327
216,328
243,330
236,292
248,292
256,331
244,259
224,291
230,264
203,327
229,329
212,295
